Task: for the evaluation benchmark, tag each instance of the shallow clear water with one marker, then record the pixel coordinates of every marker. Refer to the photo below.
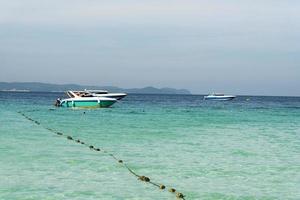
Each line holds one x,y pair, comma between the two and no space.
248,148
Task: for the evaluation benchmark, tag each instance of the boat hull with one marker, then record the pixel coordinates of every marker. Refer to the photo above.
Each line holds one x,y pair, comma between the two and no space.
91,103
219,98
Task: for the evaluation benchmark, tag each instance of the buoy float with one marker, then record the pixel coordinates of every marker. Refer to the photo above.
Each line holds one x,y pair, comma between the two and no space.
162,187
179,195
172,190
144,178
69,138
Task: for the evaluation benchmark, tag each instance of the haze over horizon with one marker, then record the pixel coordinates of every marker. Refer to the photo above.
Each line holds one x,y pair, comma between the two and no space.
237,47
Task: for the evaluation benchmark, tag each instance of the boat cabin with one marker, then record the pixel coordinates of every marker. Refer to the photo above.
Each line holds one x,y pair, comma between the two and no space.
73,94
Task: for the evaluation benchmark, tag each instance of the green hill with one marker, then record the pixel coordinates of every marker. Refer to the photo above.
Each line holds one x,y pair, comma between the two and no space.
47,87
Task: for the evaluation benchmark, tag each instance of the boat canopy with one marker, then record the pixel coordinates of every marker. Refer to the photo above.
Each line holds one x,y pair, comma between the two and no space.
97,91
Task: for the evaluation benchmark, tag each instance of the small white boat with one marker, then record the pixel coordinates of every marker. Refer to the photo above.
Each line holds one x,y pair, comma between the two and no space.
83,99
219,97
105,93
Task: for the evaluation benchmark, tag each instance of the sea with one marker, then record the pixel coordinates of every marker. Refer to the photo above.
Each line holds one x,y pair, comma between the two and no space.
244,149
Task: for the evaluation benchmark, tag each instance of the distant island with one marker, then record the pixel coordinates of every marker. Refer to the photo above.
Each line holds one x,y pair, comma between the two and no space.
48,87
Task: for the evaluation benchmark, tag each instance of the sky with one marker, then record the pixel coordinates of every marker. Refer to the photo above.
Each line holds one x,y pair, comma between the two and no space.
233,46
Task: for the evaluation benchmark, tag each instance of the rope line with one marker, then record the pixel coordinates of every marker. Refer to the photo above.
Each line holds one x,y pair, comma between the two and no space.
142,178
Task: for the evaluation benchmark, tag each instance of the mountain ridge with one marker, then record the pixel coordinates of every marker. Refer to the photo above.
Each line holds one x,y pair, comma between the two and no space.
50,87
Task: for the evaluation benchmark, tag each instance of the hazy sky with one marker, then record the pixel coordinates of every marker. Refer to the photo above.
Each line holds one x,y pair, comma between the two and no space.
231,46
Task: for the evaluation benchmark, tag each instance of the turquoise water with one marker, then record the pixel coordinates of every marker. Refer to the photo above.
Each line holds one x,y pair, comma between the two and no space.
248,148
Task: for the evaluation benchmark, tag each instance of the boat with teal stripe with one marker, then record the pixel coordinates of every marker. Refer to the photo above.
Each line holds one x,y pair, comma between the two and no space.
81,99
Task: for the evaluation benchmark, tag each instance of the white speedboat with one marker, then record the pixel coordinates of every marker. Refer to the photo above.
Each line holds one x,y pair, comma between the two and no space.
83,99
105,93
220,97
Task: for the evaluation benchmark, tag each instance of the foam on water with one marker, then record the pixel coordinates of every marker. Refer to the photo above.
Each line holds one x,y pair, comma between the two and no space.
243,149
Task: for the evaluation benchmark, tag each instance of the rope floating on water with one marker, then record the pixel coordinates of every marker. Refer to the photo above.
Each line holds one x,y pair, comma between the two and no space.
121,162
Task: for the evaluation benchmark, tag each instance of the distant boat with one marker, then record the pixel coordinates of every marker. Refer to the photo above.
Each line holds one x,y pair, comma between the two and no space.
83,99
14,90
105,93
219,97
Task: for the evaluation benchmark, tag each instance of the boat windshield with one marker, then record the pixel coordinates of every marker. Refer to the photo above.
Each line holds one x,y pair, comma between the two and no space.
82,94
217,94
70,95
